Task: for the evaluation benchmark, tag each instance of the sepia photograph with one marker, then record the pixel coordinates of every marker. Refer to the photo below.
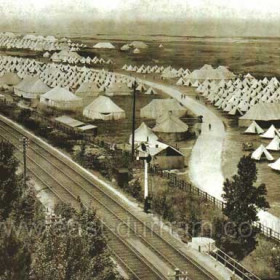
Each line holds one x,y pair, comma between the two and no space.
139,140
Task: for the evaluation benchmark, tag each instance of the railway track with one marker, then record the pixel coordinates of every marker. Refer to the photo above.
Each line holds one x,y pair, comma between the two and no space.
122,225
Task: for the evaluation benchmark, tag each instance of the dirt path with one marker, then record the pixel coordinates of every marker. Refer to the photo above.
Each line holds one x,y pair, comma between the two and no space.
206,159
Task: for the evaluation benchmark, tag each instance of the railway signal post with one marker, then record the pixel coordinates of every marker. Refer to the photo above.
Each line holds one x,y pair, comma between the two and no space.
134,86
144,155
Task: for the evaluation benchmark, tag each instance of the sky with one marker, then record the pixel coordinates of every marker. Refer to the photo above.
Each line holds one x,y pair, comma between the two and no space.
171,17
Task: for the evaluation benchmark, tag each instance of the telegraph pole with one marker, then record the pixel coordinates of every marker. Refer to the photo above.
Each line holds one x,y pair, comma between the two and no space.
134,85
25,145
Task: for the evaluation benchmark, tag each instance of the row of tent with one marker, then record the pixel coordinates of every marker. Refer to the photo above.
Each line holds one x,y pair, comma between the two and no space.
166,72
68,56
236,97
37,43
136,45
186,77
48,85
205,73
14,69
262,152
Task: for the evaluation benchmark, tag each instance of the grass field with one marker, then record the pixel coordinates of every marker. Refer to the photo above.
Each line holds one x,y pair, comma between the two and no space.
259,57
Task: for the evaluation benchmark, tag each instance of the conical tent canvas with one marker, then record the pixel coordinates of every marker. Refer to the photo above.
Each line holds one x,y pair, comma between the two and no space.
143,134
275,165
260,153
150,91
270,133
274,145
254,128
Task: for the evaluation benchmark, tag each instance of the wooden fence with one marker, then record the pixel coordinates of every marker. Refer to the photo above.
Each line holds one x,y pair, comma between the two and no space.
187,187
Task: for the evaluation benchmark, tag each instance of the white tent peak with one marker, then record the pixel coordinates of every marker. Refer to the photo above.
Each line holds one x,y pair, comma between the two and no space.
254,128
260,153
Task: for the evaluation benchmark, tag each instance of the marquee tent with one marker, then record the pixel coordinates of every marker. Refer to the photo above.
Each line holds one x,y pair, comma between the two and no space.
104,45
157,107
61,98
262,112
143,134
88,89
31,88
10,79
103,108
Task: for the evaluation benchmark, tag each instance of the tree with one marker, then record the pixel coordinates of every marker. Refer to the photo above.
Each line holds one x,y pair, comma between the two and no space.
15,256
74,248
242,201
9,181
275,257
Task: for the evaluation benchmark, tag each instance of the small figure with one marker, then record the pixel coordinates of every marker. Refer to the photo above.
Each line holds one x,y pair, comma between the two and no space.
209,126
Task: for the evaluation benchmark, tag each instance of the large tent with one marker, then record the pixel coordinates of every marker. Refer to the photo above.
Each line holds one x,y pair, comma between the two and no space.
103,108
118,89
10,79
88,89
143,134
170,127
157,108
207,72
31,88
104,45
61,98
261,112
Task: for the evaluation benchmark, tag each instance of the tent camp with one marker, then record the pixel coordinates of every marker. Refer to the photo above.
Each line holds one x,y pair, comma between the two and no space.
157,108
104,45
274,144
103,108
31,88
170,127
61,98
267,112
271,133
254,128
261,153
143,134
